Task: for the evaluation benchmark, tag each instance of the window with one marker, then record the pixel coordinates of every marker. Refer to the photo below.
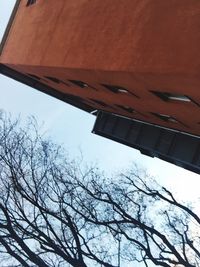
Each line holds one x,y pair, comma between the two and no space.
171,96
79,83
117,89
101,103
55,80
30,2
74,98
165,117
126,108
179,98
33,76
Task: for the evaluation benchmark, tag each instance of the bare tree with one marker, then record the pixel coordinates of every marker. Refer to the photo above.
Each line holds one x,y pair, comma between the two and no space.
154,226
55,213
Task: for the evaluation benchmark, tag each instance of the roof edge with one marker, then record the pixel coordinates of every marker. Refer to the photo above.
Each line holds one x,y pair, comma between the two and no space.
9,25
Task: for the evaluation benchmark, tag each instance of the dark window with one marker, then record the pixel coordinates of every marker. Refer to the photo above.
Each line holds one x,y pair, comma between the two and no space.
171,96
175,97
55,80
117,89
74,98
126,108
79,83
99,102
33,76
165,117
30,2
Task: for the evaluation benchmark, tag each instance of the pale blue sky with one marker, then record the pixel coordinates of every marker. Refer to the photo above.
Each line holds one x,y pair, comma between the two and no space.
72,128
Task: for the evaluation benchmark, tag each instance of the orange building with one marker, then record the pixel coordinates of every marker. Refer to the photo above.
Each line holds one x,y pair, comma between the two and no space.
137,59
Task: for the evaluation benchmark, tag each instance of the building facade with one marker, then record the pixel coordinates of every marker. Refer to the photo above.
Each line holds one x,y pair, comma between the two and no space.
134,60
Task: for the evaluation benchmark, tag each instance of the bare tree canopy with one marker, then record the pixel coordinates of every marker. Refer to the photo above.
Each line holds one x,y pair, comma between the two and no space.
55,213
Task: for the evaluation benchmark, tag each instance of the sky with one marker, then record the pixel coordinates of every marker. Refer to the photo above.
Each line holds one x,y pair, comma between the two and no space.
72,128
